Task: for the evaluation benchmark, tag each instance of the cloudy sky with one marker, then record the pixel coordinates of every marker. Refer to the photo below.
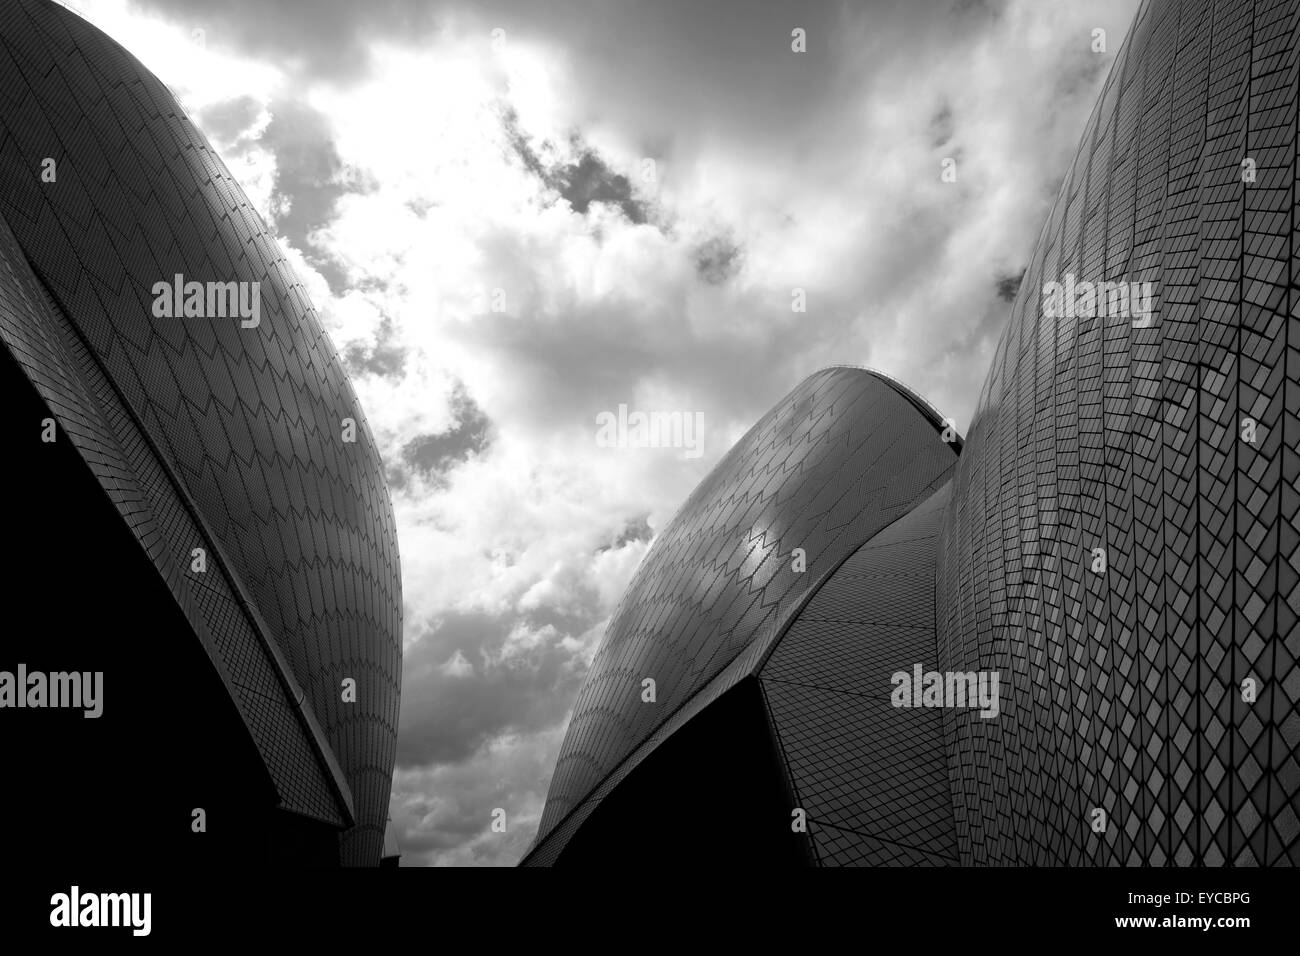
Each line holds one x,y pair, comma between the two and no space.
514,215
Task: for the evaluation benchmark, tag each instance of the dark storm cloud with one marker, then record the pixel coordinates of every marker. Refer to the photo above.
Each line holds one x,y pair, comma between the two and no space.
310,178
1008,286
591,180
443,814
941,126
447,716
716,260
580,183
383,357
520,146
434,454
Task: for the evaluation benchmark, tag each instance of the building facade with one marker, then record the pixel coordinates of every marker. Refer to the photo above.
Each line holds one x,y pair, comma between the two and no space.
1117,543
149,318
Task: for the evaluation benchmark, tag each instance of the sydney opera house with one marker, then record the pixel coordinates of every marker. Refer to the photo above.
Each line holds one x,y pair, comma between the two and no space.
1071,638
1068,637
195,506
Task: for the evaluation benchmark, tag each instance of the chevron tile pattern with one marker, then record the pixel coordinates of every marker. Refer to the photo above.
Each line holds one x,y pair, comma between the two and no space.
1170,446
843,456
205,433
1118,540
